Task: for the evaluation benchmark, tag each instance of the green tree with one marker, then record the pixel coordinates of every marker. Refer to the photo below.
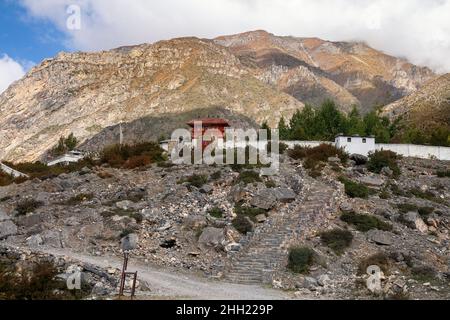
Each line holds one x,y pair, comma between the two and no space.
283,129
71,142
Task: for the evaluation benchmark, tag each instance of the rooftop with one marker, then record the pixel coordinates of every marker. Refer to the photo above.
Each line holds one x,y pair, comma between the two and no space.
210,122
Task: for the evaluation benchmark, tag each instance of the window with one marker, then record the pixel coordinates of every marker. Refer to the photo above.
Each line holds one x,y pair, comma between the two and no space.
364,140
349,139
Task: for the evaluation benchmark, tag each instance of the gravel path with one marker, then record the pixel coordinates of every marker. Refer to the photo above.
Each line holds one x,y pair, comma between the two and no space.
167,284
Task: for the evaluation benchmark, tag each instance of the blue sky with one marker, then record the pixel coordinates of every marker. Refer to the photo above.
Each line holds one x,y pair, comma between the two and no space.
32,30
24,38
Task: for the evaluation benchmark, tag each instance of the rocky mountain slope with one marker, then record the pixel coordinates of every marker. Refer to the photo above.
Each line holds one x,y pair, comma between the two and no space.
312,69
87,92
254,75
425,109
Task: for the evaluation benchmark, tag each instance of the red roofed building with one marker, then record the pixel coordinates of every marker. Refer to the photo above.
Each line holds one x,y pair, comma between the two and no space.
208,124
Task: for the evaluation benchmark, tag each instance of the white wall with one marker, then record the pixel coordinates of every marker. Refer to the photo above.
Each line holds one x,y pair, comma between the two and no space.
416,151
14,173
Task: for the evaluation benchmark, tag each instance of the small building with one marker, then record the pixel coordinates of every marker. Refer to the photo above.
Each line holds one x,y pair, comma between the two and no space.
70,157
209,124
356,144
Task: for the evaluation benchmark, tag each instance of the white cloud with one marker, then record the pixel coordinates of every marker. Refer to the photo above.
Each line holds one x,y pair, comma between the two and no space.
416,29
10,71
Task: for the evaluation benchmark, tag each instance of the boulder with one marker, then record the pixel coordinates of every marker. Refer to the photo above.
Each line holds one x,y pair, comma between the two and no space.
346,208
371,181
284,194
206,189
386,171
168,243
233,247
35,241
323,280
194,222
265,199
380,237
129,242
125,205
359,159
3,216
334,160
414,221
29,221
52,238
212,237
7,228
261,218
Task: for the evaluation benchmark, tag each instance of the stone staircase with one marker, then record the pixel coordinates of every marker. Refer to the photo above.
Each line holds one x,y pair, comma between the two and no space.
266,250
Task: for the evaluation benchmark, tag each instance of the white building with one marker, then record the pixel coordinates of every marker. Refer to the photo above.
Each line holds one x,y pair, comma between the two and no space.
356,144
71,157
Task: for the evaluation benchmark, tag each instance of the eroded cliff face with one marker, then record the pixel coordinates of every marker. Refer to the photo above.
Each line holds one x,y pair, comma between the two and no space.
311,69
84,93
255,75
426,109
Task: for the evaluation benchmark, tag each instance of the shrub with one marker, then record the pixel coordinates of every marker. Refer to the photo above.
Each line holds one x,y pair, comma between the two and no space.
380,159
319,153
78,199
300,259
215,212
407,207
427,195
337,240
270,184
216,176
242,224
354,189
195,180
248,177
379,259
425,211
443,173
423,273
364,222
39,283
142,154
250,212
27,206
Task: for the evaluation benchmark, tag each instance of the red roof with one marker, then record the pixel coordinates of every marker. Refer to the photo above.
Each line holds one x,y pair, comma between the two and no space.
210,122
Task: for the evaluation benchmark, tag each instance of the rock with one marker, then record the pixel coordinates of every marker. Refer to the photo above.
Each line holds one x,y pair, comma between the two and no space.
3,216
265,199
35,241
29,221
233,247
52,238
310,283
359,159
284,194
237,194
346,208
414,221
212,237
334,160
168,243
323,280
125,205
129,242
166,226
261,218
386,171
194,222
84,171
380,237
100,289
206,189
386,213
7,228
371,181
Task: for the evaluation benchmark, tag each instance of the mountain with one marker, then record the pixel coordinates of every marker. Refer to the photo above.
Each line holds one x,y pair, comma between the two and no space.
254,75
84,93
427,109
312,69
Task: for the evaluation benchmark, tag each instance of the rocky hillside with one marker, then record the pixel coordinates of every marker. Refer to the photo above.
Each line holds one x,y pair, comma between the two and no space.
87,92
425,109
312,69
255,75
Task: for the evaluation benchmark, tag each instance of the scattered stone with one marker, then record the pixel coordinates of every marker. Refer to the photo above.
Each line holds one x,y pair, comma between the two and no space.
359,159
371,181
212,237
129,242
7,228
380,237
168,243
386,171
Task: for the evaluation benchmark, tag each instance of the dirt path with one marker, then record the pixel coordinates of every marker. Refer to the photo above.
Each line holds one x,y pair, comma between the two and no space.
166,284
